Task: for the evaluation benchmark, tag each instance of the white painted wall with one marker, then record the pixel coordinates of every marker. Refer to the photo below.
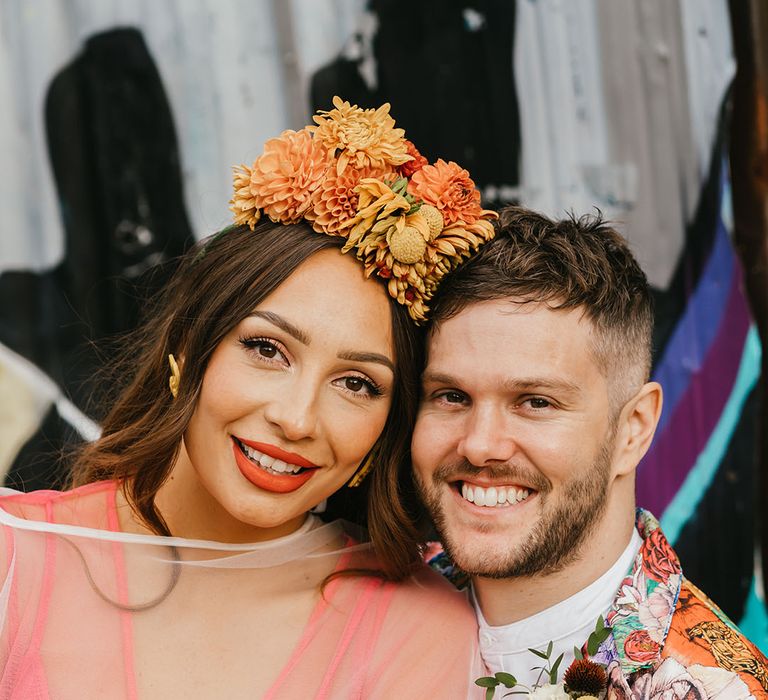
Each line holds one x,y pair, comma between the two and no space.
618,102
222,67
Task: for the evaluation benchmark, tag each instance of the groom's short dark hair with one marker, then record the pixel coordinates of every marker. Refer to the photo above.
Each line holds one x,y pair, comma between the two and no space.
569,263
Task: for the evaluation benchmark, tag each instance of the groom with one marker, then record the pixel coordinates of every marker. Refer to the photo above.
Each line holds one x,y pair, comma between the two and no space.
536,411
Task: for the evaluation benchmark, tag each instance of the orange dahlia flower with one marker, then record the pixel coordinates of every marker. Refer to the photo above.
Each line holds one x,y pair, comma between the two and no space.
363,137
336,200
419,161
448,188
286,174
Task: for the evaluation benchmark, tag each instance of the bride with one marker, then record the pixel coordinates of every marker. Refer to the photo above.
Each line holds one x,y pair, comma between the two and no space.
206,549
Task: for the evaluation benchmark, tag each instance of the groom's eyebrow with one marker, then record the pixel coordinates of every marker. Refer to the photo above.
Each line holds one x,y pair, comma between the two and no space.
535,384
438,378
518,385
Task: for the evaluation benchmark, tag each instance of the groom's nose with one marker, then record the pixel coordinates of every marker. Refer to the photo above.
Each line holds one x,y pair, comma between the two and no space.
486,439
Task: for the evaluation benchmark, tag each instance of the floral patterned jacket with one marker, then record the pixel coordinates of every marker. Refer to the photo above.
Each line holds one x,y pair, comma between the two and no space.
669,641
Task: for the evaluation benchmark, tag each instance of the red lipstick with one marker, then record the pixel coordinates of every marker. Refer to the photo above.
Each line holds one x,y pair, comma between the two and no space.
275,483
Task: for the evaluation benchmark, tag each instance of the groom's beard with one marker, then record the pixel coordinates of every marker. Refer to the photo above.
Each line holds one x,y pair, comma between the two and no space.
563,519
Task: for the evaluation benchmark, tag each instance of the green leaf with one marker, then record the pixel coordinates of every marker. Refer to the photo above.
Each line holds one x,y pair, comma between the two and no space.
540,654
487,682
400,185
600,624
507,679
603,634
555,667
415,206
489,693
592,645
596,639
549,649
577,653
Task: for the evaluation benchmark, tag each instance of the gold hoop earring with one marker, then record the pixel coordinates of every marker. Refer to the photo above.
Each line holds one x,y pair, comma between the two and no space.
175,378
362,471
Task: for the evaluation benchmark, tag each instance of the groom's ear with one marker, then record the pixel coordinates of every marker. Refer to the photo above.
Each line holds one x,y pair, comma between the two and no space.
635,428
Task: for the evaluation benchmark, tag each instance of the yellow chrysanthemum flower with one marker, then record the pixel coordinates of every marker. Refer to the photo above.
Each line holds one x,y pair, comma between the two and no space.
360,137
377,202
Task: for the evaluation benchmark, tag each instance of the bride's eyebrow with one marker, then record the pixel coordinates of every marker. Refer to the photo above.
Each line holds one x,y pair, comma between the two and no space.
296,332
366,357
283,324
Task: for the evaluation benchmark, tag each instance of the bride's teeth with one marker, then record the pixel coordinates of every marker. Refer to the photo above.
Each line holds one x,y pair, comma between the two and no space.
267,462
493,496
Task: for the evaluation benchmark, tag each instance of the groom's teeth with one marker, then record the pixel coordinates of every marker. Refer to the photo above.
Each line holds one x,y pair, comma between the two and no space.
270,463
493,496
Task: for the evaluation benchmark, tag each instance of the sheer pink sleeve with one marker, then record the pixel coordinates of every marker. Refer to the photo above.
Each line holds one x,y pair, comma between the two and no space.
427,644
28,570
88,611
379,640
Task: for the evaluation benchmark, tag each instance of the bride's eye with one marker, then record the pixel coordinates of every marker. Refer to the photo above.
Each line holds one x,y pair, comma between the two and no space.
354,383
263,348
359,386
266,350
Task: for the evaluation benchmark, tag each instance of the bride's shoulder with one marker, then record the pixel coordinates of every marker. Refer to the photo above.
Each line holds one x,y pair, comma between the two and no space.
90,505
430,596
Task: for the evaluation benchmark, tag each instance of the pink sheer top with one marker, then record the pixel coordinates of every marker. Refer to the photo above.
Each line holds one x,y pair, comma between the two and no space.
90,612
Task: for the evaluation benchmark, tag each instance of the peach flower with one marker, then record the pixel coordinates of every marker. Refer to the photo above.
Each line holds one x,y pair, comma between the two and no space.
362,137
336,200
285,175
450,189
418,162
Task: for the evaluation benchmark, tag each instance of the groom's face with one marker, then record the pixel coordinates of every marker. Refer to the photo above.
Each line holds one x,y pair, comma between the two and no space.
513,445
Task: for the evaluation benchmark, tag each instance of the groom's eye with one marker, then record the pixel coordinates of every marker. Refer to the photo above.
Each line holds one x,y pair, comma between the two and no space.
453,397
538,403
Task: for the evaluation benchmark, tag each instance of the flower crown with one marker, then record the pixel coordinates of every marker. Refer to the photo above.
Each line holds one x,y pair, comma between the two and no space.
355,175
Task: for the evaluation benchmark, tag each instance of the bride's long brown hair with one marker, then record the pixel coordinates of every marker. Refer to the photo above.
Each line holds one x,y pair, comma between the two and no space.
215,286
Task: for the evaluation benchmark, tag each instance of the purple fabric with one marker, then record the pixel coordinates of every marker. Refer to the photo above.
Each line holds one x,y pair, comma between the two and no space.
676,448
686,350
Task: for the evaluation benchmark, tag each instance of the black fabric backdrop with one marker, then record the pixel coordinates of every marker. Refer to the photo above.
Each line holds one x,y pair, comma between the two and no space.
115,160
